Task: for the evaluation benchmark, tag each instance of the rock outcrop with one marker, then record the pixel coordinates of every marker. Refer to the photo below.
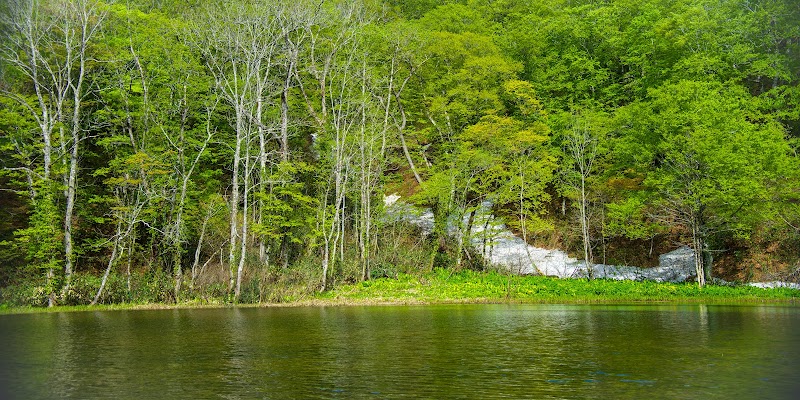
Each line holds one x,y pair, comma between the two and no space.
501,247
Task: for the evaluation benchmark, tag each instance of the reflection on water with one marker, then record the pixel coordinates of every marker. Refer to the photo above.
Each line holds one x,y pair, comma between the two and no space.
465,351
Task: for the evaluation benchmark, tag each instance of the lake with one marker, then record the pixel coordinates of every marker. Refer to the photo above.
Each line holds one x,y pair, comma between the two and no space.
452,351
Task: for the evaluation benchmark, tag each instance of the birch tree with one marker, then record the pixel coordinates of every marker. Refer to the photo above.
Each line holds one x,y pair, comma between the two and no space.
50,44
237,46
581,153
330,86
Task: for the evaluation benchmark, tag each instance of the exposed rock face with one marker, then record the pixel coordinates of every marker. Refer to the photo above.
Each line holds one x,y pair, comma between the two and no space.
675,266
505,249
776,284
501,247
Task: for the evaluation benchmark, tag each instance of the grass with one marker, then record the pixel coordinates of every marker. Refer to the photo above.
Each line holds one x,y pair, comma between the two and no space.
446,286
5,309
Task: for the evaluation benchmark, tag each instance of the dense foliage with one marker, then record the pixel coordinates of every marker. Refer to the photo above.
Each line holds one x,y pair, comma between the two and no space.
163,150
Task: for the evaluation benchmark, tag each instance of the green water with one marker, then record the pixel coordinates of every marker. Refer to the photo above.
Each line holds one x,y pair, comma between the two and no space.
469,351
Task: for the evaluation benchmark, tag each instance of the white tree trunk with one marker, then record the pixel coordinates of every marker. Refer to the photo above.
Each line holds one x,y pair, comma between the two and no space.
234,202
697,246
111,261
245,219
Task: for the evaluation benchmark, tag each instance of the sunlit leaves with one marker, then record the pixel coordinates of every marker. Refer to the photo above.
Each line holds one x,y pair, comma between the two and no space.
710,157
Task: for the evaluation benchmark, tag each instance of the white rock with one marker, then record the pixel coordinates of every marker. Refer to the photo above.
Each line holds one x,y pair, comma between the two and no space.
775,284
390,199
501,247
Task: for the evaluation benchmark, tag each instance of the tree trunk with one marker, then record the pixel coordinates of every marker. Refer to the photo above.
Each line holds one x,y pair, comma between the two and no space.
284,134
587,245
129,262
697,244
245,205
198,250
69,194
464,231
325,264
111,261
262,177
400,128
234,202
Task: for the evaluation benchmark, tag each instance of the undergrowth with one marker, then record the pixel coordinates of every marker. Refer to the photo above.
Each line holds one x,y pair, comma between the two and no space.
438,286
447,286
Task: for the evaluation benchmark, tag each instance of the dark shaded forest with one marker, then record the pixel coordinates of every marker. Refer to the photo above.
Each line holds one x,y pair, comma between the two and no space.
161,151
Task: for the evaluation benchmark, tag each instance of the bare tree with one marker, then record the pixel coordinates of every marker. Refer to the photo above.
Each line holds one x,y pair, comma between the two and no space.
49,43
581,148
403,66
184,169
239,47
332,90
127,216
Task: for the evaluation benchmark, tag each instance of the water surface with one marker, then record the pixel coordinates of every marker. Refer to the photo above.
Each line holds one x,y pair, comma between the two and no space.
456,351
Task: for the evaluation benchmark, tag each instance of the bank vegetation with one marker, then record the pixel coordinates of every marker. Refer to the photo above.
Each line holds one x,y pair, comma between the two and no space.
166,151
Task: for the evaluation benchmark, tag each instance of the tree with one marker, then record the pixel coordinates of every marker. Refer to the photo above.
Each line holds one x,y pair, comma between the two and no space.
239,47
582,149
501,160
50,45
159,115
712,161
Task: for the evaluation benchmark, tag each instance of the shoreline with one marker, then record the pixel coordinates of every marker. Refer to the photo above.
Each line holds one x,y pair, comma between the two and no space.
386,303
443,287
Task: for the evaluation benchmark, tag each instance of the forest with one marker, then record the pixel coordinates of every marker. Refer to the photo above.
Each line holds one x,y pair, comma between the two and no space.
164,150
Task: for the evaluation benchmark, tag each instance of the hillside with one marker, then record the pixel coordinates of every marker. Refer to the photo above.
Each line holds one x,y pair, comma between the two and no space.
164,150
